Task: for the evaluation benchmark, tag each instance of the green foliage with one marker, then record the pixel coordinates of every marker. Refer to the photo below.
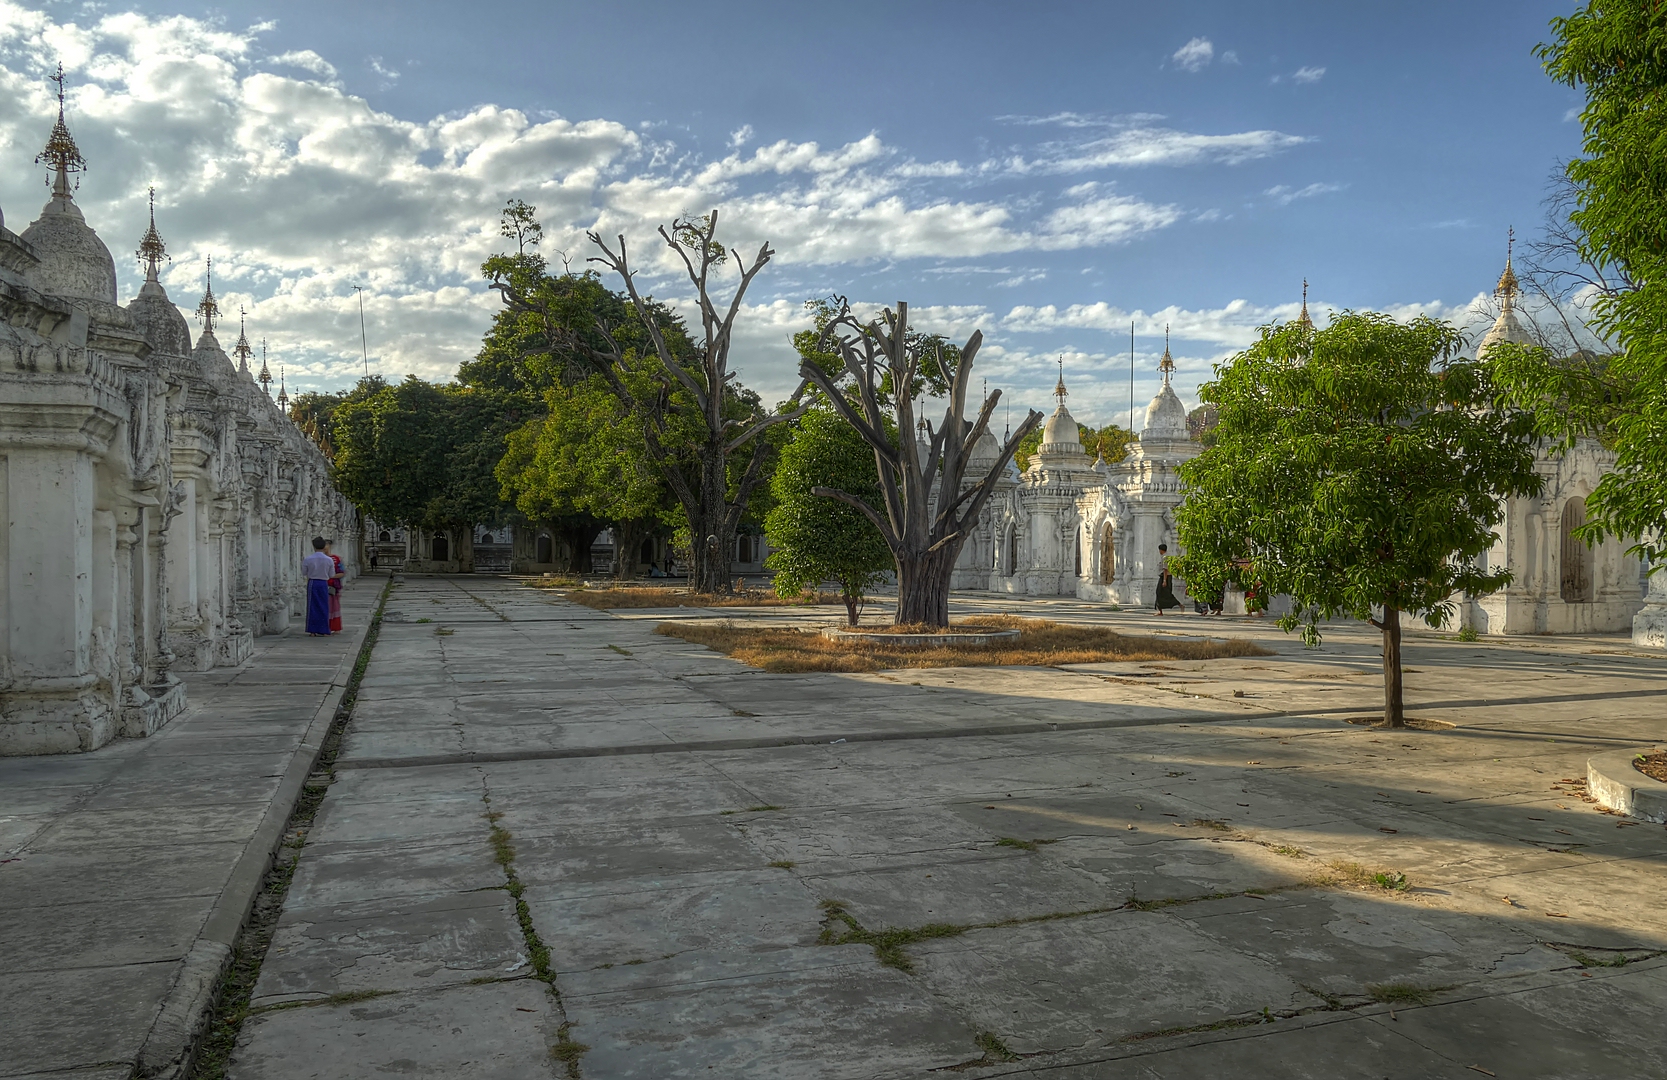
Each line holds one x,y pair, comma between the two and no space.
421,454
581,457
1354,466
816,538
1111,441
1616,51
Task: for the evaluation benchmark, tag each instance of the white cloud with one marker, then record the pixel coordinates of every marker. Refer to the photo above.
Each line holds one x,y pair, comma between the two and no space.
1195,55
1308,74
1285,195
1230,57
300,190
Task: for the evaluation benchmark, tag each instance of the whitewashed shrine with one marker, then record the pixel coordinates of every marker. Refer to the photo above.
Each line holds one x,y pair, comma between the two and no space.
156,501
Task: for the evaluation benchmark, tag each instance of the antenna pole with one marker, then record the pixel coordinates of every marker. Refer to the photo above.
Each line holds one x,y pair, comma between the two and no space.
1131,376
364,344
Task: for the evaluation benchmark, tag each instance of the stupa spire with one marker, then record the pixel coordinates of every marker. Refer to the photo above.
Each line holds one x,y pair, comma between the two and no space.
208,309
283,395
152,251
1303,318
265,376
1167,364
1059,390
242,350
61,155
1508,289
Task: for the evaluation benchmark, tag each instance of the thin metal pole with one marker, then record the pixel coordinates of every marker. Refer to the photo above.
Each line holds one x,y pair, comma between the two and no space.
1131,376
364,344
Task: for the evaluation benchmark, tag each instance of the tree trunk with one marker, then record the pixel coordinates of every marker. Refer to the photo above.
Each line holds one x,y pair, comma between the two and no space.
1394,714
850,607
923,587
628,537
579,538
466,549
713,536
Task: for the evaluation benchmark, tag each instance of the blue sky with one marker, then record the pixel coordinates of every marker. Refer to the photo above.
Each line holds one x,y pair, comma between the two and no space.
1042,172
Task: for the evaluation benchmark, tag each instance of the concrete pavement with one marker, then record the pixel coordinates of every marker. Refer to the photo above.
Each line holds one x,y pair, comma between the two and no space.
125,873
559,844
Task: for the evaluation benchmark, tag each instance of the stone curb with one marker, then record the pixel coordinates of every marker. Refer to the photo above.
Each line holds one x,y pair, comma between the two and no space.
167,1050
918,641
1614,783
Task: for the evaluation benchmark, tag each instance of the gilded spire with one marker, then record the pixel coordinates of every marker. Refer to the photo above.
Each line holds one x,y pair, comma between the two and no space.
242,350
283,395
152,251
1167,364
207,310
265,376
61,155
1059,390
1508,289
1303,318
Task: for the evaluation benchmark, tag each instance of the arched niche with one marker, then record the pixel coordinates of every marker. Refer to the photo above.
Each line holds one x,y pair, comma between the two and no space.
1577,558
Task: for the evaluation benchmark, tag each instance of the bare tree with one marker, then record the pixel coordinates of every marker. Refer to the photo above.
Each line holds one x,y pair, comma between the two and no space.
701,429
924,534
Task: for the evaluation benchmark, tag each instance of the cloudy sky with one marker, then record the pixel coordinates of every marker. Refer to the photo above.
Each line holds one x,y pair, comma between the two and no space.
1044,172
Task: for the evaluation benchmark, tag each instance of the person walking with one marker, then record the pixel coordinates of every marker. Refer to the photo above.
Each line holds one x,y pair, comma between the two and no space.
1166,583
318,568
336,580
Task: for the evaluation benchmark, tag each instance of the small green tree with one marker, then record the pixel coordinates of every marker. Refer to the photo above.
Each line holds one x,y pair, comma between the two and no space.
1357,467
817,539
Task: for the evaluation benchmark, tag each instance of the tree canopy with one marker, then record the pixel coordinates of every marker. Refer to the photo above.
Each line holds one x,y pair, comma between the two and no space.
1616,51
1358,468
818,539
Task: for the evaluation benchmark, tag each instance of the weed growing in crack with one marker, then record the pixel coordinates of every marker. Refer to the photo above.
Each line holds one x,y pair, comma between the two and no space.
209,1058
1023,845
565,1050
1134,903
1289,852
347,997
994,1049
1403,993
1211,823
784,864
888,943
1194,1029
760,808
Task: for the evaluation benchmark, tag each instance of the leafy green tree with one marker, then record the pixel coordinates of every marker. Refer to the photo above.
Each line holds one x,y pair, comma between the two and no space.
580,459
818,539
1616,51
1357,467
703,432
423,455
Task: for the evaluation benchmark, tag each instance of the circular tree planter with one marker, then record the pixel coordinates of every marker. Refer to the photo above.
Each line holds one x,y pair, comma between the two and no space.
947,639
1614,783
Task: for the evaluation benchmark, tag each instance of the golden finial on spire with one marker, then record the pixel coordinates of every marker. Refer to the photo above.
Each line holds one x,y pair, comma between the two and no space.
265,376
1303,317
208,310
283,395
61,155
1059,390
152,251
242,350
1167,364
1508,289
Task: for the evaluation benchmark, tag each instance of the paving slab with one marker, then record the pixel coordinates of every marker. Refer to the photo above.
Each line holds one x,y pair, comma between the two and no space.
976,824
138,860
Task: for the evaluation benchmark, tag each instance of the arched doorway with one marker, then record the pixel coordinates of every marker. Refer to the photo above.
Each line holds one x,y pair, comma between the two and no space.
545,549
1576,556
1076,555
1013,552
1108,556
440,550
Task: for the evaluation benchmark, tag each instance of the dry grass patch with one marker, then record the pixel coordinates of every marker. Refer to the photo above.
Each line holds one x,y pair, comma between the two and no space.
617,599
1040,643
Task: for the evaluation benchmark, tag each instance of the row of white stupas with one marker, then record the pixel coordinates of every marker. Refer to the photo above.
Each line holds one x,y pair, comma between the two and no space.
1071,526
155,502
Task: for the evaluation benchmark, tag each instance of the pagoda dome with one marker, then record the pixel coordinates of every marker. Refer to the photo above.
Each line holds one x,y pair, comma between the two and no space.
160,321
1166,417
985,451
74,263
1060,434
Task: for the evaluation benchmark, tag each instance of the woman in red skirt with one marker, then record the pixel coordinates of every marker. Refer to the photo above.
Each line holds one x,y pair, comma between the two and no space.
335,589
